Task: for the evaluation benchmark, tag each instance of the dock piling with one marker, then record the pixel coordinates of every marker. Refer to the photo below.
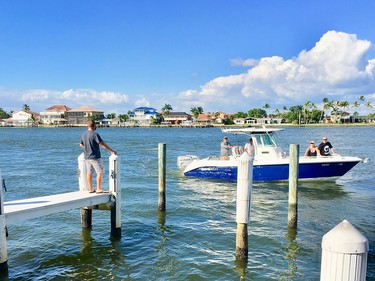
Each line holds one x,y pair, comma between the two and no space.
293,185
82,178
344,254
115,188
162,172
3,242
243,205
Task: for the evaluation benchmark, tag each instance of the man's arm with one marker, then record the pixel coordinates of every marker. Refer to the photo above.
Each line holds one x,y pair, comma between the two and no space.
104,145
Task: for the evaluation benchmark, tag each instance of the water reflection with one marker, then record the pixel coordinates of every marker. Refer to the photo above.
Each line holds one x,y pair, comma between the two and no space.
165,261
95,260
240,268
291,253
322,190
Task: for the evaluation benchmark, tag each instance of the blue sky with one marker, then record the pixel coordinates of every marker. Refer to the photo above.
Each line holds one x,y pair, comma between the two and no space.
221,55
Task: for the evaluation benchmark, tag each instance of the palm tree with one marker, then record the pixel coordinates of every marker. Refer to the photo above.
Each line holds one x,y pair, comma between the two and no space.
196,111
325,102
306,109
167,108
368,105
356,104
266,106
344,104
25,107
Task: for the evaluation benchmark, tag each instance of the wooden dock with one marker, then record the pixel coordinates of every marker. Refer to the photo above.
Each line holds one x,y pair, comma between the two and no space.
25,209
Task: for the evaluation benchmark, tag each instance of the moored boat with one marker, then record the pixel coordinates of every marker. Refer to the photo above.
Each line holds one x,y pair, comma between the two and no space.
270,163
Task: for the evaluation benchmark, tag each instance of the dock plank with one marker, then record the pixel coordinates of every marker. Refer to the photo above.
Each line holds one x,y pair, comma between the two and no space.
25,209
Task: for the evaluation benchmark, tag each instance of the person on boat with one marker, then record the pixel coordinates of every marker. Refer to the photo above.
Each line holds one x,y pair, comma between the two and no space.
249,147
312,150
325,148
225,147
91,142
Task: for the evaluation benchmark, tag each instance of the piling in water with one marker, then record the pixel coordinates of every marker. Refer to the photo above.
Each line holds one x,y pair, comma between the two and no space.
3,242
115,188
86,217
293,185
162,171
243,205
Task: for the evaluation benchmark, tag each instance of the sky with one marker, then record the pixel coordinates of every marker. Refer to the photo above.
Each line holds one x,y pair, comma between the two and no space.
220,55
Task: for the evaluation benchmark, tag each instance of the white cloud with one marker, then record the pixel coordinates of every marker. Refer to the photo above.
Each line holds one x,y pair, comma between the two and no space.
39,100
142,102
242,62
336,65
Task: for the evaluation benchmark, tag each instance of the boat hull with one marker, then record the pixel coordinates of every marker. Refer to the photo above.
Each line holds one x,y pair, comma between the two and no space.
276,172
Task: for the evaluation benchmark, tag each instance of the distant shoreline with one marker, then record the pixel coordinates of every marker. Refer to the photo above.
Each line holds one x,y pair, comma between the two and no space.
206,126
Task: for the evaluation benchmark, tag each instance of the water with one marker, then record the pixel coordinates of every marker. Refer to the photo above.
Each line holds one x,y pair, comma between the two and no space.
195,240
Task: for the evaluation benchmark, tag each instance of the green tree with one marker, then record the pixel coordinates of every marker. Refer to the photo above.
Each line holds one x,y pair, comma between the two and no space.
240,114
266,106
343,104
196,111
3,114
25,107
111,116
369,105
257,113
123,117
294,114
167,108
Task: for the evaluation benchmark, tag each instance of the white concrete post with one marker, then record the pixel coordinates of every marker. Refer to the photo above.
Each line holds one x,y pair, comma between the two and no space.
244,188
115,188
243,204
3,241
293,185
82,179
344,254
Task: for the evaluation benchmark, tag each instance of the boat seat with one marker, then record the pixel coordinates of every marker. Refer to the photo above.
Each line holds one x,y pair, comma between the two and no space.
237,151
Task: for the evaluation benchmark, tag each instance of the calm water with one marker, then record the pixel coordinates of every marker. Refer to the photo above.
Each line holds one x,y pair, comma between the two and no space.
196,238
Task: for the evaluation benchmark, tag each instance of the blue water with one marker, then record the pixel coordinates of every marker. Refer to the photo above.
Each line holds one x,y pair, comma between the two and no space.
195,239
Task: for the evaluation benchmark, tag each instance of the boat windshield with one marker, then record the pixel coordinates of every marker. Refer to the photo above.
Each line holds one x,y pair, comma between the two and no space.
266,139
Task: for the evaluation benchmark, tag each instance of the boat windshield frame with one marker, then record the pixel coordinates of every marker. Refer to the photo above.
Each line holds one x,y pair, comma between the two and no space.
266,139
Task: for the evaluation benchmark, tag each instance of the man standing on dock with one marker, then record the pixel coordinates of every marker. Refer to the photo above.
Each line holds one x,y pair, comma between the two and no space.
90,141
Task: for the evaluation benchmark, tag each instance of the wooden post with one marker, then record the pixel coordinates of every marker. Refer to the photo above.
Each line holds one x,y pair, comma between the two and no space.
243,205
344,254
293,185
86,217
115,188
3,241
162,170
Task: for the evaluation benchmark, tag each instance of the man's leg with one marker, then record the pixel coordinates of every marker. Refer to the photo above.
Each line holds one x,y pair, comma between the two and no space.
90,170
89,181
99,180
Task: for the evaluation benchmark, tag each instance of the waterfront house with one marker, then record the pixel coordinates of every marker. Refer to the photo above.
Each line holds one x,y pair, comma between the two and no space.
55,115
222,117
143,116
24,118
204,119
80,115
268,120
177,118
